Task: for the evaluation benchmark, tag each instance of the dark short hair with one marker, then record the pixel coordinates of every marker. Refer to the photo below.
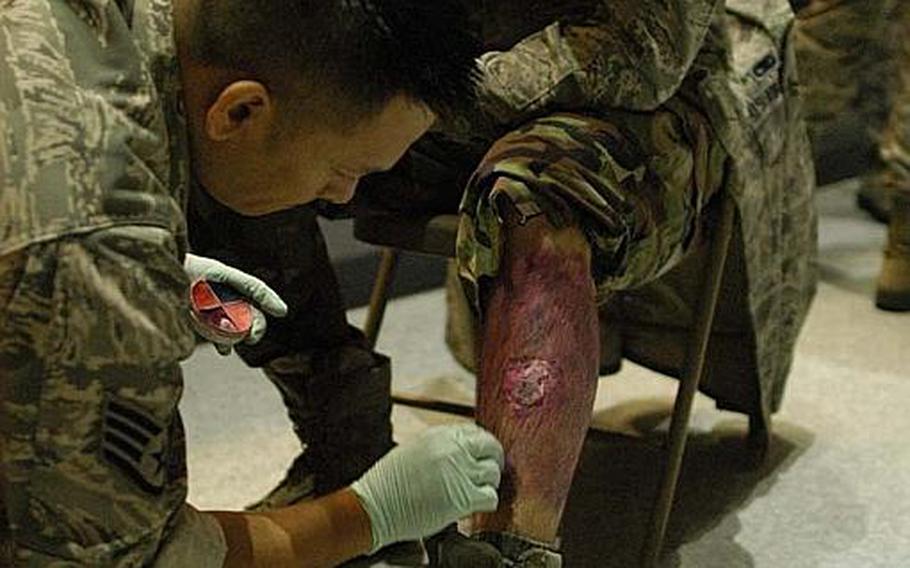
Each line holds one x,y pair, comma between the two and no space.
355,54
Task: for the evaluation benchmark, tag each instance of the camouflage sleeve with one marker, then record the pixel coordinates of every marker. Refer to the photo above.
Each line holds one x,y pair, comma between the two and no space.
628,54
10,272
93,447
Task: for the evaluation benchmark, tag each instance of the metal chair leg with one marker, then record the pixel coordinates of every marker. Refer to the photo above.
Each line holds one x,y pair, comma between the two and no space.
379,297
758,441
688,386
423,403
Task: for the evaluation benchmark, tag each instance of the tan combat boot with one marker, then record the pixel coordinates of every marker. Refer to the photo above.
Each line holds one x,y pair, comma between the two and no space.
894,282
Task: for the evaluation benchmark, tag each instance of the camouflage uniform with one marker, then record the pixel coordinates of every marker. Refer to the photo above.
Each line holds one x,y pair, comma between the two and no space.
893,289
857,59
846,49
895,145
843,50
92,289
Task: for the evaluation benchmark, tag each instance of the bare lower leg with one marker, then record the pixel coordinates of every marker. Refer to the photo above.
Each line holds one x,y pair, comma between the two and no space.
538,373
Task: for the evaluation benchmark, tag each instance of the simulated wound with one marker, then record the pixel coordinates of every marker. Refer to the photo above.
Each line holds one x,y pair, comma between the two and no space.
527,384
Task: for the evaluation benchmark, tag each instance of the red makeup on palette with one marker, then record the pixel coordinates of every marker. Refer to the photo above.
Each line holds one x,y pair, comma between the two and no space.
220,314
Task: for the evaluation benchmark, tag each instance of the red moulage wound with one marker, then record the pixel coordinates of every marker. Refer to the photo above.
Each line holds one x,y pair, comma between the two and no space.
527,383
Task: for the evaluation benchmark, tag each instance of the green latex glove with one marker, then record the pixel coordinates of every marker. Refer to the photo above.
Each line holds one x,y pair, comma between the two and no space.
263,298
417,489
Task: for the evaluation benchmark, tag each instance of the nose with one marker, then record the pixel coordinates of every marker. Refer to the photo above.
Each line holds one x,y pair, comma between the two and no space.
341,190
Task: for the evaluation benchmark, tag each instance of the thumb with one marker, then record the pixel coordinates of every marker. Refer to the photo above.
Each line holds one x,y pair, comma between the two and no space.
253,288
258,328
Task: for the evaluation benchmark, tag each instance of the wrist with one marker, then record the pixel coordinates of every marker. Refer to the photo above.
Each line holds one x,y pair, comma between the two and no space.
356,516
370,512
338,522
323,532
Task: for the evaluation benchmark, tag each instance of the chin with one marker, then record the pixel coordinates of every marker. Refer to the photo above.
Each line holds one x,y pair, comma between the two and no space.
261,209
339,198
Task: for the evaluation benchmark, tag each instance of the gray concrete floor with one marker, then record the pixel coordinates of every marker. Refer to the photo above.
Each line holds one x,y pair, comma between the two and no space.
834,491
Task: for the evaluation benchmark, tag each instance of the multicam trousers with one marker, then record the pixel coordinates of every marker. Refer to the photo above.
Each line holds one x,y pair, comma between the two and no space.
634,183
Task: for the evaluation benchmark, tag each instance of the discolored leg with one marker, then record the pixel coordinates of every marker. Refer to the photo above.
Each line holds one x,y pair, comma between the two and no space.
538,371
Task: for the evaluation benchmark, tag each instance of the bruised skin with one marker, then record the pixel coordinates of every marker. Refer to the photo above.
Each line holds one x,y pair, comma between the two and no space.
538,373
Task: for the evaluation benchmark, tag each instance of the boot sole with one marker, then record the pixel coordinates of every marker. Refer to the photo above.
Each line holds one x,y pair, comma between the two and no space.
408,553
893,301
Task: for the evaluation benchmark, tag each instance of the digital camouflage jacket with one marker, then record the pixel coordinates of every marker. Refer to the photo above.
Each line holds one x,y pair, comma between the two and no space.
93,171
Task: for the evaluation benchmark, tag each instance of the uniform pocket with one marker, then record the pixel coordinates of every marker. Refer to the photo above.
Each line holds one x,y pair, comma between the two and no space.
758,75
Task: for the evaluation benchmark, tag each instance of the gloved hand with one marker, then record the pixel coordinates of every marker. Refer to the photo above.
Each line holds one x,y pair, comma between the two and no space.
419,488
255,290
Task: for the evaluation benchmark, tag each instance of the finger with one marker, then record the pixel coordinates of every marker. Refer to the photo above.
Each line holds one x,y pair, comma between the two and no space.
258,327
223,349
484,500
486,472
253,288
481,444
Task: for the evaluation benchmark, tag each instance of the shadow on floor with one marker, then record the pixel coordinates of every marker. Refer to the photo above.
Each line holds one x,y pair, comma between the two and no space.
615,484
853,269
864,286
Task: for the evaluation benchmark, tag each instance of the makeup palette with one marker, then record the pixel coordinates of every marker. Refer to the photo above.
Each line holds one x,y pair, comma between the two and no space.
220,314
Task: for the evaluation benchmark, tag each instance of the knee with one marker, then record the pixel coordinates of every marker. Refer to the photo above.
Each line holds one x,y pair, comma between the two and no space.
535,247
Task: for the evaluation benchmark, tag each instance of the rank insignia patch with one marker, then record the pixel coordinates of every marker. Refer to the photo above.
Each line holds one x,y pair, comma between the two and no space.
134,441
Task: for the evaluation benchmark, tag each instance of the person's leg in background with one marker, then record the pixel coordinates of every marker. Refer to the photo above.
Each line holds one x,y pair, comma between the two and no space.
894,282
336,389
558,214
845,67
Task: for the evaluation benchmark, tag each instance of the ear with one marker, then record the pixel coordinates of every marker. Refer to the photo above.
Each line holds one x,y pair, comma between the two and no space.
240,107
